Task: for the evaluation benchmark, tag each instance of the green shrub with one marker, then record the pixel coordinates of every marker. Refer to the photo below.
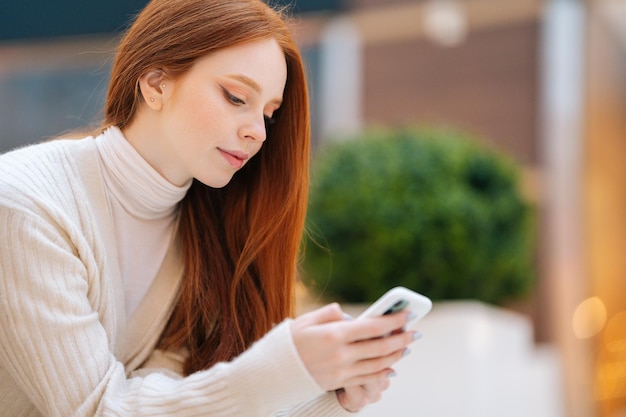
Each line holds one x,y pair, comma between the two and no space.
428,209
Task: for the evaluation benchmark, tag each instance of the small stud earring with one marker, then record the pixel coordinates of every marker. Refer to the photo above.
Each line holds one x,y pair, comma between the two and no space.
152,99
163,86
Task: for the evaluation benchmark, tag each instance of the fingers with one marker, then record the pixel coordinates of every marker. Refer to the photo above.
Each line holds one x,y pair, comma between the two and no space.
381,347
365,371
354,398
370,328
329,313
355,330
377,356
380,383
343,353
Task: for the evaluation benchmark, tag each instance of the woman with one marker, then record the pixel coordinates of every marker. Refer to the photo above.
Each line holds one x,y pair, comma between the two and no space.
150,270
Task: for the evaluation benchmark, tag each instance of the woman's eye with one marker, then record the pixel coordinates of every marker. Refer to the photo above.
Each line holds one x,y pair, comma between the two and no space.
232,98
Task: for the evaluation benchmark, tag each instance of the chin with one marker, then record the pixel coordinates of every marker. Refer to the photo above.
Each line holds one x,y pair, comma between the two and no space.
215,182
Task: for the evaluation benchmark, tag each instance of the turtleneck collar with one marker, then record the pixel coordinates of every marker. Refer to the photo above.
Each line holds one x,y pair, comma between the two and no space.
137,186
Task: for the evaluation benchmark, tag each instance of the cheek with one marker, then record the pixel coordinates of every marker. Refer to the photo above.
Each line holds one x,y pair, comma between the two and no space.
204,111
199,109
255,148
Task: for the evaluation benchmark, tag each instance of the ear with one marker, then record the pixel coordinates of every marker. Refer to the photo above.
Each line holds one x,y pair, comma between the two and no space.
152,88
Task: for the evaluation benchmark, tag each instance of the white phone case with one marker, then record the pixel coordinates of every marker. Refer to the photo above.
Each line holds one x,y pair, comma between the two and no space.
400,299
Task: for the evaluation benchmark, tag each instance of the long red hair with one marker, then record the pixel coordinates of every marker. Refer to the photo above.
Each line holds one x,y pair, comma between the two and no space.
239,243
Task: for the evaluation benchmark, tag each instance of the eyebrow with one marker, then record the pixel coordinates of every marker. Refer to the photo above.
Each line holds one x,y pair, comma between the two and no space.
250,83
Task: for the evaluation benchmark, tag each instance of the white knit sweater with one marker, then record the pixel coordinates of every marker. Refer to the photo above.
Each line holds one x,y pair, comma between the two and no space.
66,345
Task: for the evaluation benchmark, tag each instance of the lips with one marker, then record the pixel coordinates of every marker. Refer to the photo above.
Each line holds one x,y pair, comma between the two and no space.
235,159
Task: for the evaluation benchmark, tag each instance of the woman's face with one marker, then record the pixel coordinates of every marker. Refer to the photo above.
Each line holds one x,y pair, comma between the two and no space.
212,119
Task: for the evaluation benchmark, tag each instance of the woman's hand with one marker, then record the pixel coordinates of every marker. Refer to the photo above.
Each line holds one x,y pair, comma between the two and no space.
351,356
355,398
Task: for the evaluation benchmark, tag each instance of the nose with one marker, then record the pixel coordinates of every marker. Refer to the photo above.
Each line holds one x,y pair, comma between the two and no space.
254,129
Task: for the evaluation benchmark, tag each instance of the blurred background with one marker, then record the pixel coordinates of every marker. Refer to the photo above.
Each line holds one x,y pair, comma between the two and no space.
543,82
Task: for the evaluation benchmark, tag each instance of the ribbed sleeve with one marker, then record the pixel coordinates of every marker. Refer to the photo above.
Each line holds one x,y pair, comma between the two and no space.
325,405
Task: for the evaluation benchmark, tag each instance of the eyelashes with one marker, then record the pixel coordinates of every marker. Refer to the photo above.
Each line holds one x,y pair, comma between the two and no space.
233,99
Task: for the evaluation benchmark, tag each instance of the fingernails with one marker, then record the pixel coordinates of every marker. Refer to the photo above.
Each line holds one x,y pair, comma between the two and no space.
417,335
411,317
405,352
347,316
391,374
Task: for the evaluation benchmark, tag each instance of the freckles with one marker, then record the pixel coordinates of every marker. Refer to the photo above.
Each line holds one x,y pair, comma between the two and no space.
212,118
204,112
201,105
213,105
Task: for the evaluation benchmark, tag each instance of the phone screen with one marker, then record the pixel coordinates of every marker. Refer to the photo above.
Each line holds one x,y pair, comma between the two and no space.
398,306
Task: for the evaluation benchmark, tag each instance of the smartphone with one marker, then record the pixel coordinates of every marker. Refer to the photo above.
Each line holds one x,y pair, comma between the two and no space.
400,299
